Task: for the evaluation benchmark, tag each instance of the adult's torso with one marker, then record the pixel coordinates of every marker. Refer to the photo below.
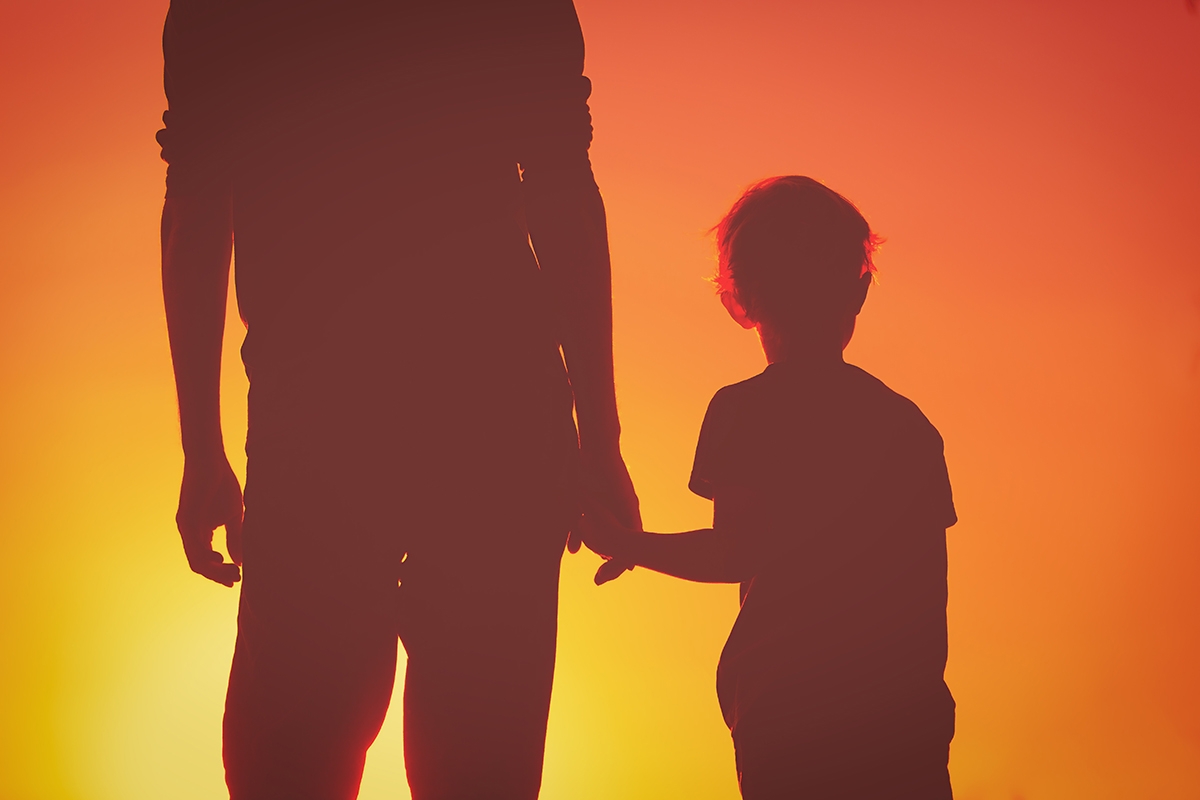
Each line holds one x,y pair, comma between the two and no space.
372,148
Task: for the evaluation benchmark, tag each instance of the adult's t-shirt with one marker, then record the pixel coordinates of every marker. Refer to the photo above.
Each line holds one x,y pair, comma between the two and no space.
378,156
844,500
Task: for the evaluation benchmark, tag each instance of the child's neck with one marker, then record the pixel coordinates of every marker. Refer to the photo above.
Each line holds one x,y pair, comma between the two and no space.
800,351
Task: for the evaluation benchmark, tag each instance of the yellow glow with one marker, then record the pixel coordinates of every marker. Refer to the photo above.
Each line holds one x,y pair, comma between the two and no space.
1035,169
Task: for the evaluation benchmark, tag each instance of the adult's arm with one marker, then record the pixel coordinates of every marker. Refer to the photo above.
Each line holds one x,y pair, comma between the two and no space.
569,232
567,226
197,240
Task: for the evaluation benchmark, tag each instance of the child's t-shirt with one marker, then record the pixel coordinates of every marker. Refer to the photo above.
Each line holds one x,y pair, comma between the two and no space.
836,490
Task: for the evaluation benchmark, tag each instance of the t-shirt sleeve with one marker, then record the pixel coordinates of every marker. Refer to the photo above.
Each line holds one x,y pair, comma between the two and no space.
711,464
550,91
196,83
552,132
907,482
919,476
941,497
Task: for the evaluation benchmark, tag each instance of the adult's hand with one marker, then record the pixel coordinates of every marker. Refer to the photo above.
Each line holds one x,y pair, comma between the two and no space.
209,498
608,484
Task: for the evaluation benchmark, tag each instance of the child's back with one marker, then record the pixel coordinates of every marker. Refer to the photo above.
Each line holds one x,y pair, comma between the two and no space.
838,487
830,505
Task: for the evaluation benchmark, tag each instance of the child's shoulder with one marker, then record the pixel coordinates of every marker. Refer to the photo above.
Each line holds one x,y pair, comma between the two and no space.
740,391
848,389
892,408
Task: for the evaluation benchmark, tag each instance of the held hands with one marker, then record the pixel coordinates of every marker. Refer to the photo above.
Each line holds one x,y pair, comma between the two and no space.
210,498
609,492
606,536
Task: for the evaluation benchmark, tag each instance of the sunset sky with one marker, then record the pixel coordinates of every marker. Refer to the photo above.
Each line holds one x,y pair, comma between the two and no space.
1035,169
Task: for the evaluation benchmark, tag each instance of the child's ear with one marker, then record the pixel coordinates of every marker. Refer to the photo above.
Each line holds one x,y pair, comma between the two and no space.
735,310
860,292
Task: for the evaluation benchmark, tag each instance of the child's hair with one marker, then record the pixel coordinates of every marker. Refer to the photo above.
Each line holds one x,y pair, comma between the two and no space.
792,248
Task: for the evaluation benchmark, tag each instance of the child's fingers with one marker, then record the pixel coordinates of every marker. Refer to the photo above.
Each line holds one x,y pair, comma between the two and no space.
611,570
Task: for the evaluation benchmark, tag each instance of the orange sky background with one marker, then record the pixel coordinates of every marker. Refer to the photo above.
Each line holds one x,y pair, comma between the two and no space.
1035,167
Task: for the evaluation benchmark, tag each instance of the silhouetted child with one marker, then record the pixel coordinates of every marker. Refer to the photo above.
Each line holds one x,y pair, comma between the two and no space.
831,503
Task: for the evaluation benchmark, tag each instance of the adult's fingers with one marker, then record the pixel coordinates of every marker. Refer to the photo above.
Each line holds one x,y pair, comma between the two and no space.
574,539
197,546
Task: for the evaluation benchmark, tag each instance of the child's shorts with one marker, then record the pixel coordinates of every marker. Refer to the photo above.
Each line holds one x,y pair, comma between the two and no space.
784,756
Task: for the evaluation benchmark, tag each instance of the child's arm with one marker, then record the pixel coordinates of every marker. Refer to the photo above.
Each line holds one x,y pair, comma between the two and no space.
708,555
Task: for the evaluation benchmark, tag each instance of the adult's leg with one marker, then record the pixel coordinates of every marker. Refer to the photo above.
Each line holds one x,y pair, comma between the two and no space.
316,649
491,502
479,619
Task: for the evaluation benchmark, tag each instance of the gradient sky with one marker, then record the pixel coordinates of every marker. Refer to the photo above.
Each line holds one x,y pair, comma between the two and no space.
1035,168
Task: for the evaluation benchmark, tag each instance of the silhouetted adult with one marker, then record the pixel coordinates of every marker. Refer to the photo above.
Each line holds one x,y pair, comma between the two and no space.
413,462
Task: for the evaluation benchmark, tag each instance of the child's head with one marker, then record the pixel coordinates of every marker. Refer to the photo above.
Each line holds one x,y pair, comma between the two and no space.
795,259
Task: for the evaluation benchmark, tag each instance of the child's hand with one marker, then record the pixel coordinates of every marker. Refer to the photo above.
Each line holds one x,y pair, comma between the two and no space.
605,536
611,570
